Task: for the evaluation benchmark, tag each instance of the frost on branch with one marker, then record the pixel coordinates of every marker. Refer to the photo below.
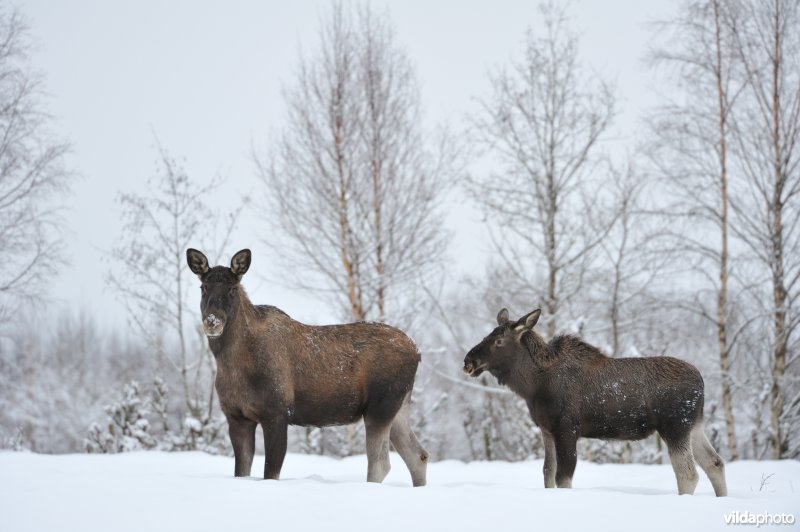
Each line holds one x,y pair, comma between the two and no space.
130,420
126,427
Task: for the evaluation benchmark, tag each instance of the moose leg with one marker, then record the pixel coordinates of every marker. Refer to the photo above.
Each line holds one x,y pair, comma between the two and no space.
708,460
680,455
407,445
274,447
243,439
549,468
377,448
566,458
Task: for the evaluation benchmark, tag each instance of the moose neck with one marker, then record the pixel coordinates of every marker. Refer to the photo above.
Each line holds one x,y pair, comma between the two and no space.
236,328
524,377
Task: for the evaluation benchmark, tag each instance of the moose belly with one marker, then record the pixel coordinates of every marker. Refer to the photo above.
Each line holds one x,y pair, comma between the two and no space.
617,421
319,410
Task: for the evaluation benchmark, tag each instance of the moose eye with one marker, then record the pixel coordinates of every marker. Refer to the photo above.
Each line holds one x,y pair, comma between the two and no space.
499,342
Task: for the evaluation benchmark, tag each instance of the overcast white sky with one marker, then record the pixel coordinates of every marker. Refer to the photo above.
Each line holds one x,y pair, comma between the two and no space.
206,77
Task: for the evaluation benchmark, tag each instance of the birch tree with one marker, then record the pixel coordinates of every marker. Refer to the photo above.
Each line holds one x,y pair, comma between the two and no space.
32,171
543,120
690,151
149,274
353,182
629,264
767,133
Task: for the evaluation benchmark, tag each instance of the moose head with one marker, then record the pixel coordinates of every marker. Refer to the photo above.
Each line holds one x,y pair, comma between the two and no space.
498,352
219,299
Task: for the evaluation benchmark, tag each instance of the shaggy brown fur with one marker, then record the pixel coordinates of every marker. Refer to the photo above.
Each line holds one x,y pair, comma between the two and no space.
275,371
573,390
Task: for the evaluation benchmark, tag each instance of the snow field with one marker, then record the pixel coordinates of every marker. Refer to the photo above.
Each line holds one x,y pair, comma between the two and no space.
154,491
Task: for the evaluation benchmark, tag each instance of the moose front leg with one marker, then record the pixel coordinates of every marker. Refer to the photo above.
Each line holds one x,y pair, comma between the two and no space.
549,468
274,447
566,458
243,439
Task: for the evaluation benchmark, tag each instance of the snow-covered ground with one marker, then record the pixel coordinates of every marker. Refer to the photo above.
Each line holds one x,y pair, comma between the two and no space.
150,491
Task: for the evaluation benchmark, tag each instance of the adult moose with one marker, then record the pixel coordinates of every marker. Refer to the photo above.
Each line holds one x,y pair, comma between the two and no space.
573,390
275,371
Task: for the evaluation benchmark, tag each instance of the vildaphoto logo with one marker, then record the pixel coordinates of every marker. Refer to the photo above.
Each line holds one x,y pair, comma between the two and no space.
764,518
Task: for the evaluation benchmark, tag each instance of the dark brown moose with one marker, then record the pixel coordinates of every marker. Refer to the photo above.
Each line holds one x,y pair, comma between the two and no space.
573,390
275,371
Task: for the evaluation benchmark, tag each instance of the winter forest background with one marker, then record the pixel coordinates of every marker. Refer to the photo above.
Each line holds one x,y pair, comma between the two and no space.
683,241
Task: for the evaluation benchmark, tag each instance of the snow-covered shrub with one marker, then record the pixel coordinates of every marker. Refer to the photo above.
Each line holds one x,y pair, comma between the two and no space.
126,427
647,451
499,427
55,379
13,441
141,420
207,433
341,441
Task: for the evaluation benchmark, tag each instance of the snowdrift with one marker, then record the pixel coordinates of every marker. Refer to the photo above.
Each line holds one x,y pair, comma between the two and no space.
152,491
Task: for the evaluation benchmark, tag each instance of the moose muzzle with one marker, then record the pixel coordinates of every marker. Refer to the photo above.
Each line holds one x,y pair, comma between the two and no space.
213,324
472,366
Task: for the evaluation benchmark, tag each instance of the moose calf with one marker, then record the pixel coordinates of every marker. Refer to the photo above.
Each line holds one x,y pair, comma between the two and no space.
573,390
275,371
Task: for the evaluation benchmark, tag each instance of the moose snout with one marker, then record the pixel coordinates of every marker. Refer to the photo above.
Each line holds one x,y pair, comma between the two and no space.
213,324
473,365
468,366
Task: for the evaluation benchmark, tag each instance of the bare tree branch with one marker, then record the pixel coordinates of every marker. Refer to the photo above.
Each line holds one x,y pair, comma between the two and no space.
32,172
150,276
353,183
543,119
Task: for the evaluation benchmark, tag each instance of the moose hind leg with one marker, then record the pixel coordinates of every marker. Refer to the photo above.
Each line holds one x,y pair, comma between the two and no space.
680,456
275,447
378,464
408,447
549,468
708,460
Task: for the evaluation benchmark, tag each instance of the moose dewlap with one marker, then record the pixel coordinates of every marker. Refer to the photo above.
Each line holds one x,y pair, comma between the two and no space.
275,371
573,390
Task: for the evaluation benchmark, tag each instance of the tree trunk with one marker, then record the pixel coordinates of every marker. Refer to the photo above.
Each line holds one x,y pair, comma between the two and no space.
184,370
778,275
722,299
779,320
350,268
550,252
378,221
615,332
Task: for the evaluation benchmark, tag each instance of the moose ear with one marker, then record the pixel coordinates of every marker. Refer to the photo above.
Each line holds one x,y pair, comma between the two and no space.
198,262
502,317
240,262
527,321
